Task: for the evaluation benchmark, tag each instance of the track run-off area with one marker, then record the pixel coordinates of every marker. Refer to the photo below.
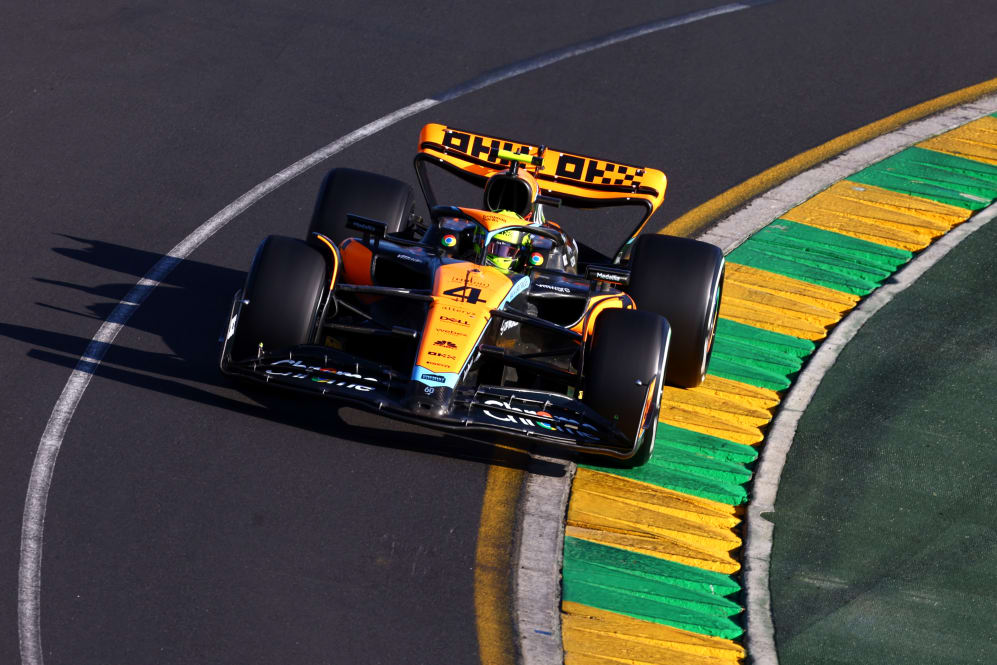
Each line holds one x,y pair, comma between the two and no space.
653,557
190,520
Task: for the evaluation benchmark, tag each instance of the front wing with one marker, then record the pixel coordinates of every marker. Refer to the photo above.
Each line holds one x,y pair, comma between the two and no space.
527,415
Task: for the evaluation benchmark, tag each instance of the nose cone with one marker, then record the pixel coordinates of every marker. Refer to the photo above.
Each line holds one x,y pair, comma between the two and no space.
430,401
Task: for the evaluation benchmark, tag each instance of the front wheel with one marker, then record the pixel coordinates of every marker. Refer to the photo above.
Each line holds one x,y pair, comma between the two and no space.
283,291
624,372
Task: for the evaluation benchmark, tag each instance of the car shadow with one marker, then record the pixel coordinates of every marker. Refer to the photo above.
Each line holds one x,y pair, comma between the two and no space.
187,312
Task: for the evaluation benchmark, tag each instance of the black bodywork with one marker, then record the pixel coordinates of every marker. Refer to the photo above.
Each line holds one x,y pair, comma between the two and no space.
523,378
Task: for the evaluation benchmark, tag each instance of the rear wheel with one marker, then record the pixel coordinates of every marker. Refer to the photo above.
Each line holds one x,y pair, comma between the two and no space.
351,192
624,373
682,280
283,290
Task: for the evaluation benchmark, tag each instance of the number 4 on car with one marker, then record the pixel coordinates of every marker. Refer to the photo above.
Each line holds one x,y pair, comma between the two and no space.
486,317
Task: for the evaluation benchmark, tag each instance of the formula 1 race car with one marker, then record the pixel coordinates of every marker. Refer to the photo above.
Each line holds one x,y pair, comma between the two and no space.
489,319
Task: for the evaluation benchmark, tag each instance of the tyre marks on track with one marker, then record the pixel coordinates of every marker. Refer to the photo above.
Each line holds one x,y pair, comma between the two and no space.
660,545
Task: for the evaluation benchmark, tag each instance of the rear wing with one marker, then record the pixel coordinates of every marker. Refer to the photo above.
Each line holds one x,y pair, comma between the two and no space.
579,181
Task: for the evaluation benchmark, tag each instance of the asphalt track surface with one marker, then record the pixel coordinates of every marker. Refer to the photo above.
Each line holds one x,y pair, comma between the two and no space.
192,520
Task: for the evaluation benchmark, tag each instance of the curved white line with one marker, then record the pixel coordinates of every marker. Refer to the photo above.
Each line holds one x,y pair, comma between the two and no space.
33,520
758,550
731,232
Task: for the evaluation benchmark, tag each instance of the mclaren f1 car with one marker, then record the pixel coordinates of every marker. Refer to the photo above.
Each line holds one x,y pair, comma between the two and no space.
488,318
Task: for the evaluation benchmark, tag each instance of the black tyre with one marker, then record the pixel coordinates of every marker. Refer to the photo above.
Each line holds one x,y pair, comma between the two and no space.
284,288
351,192
682,280
624,373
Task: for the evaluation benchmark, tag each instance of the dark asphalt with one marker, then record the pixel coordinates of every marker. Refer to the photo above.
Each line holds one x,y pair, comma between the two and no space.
193,521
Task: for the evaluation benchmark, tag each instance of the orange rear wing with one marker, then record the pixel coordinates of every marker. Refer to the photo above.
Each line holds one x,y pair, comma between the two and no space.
579,181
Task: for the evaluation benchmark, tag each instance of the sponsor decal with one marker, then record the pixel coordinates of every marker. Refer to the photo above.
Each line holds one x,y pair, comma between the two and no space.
231,326
536,259
343,384
610,276
547,426
597,171
429,390
450,319
575,167
559,424
449,240
359,387
297,364
507,325
406,257
463,311
334,380
470,278
455,333
553,287
521,285
446,344
432,377
497,219
442,355
479,146
365,225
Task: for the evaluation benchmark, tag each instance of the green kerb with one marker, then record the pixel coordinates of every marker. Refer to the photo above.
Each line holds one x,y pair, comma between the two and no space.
698,475
704,444
649,588
764,339
938,176
820,257
810,240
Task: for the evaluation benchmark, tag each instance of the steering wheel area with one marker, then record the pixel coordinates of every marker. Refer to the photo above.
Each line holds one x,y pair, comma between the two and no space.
458,234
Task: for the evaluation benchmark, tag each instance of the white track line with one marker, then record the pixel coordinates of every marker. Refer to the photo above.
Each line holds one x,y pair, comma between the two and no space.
735,229
758,550
33,521
537,564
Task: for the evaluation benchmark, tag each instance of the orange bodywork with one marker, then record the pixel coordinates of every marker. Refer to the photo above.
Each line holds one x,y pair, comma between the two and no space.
495,220
597,306
586,180
356,262
464,295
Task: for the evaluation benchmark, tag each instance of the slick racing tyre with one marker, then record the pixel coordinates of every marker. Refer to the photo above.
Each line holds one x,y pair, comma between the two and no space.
351,192
624,372
682,280
283,291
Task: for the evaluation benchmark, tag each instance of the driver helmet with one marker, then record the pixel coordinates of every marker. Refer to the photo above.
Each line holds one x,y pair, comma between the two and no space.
503,249
513,191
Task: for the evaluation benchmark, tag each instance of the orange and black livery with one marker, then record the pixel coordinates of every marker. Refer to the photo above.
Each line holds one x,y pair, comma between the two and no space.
485,316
